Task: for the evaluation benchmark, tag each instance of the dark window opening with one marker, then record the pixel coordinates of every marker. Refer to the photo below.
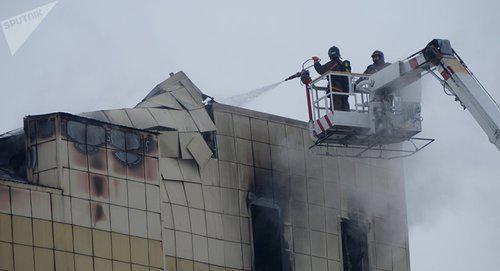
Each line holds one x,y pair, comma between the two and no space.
13,155
211,141
117,139
267,238
133,142
150,145
76,131
31,131
46,128
210,136
354,245
96,135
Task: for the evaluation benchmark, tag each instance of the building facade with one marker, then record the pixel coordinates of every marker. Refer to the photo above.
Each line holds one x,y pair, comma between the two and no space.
177,184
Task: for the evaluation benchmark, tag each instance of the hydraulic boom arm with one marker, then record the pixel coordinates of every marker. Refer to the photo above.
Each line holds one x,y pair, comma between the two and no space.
455,76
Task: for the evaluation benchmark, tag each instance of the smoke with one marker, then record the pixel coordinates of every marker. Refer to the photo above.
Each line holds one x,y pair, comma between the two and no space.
241,99
451,189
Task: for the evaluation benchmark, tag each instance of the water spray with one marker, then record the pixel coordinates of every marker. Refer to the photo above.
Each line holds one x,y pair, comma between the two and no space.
246,97
240,99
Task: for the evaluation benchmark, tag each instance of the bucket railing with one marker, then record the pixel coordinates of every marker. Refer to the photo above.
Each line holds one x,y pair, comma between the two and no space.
321,94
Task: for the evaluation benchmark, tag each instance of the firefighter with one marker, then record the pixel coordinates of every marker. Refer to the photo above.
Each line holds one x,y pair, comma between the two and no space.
378,63
338,83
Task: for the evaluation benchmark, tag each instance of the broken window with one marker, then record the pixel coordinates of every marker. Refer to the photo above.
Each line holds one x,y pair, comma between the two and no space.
150,145
117,139
354,245
76,131
96,135
32,132
133,142
46,128
267,238
13,155
210,136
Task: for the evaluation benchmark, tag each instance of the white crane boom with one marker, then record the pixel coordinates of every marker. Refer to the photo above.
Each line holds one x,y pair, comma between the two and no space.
461,82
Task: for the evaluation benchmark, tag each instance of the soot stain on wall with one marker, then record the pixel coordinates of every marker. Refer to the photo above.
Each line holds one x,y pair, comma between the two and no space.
99,184
97,213
97,158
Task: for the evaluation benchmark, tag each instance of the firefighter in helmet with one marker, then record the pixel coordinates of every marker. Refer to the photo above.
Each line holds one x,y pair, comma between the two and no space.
378,63
338,83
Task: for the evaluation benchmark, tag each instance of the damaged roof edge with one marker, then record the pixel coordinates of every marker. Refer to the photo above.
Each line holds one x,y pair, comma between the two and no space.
14,132
96,121
172,80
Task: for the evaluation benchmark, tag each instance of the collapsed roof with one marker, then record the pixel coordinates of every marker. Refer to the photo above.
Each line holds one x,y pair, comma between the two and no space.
174,108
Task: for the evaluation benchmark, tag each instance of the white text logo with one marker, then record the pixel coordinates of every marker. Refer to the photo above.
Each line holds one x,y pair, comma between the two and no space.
18,28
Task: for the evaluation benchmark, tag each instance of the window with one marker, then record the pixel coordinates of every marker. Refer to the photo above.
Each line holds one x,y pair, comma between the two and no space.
267,238
210,136
354,245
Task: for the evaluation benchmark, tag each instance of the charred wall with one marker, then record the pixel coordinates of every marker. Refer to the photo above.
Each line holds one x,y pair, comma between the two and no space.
313,194
91,200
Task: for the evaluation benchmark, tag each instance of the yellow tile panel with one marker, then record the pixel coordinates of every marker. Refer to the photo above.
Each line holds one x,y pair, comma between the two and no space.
83,240
121,266
63,237
42,233
22,230
102,264
83,263
171,263
5,228
23,258
200,266
184,265
6,258
216,268
121,247
44,259
155,254
64,261
139,250
136,267
102,243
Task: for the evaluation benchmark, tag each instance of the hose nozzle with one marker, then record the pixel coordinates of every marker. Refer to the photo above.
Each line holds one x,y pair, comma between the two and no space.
294,76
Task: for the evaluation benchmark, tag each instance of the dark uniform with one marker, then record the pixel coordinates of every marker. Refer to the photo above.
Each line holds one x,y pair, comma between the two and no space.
378,63
339,83
373,68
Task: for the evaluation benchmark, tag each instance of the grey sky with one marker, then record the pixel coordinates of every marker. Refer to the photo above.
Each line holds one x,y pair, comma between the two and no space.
89,55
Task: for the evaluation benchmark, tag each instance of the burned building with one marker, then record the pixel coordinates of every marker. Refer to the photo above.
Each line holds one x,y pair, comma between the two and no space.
178,184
